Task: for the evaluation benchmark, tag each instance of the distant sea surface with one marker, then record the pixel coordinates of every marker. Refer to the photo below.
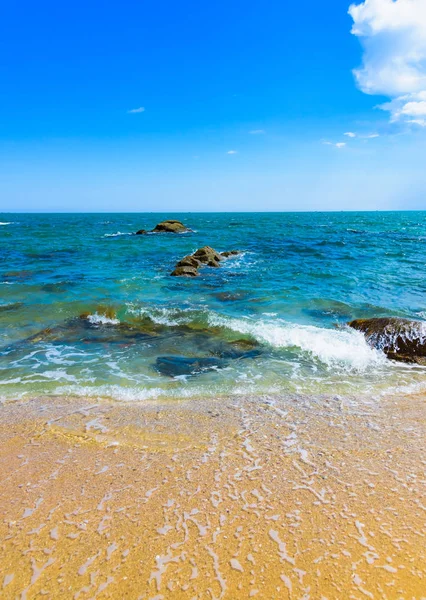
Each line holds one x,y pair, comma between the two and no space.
89,308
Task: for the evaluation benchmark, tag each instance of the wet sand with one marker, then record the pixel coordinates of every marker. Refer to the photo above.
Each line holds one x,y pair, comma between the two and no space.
266,498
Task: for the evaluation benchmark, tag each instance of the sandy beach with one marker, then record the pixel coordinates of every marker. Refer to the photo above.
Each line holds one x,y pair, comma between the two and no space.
267,497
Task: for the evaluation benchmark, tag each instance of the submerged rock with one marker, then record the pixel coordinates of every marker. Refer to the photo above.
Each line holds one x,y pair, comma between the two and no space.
175,366
399,339
20,275
171,226
141,232
230,253
12,306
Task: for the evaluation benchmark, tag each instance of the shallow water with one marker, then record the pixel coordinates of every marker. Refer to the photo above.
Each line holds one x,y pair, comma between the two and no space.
272,319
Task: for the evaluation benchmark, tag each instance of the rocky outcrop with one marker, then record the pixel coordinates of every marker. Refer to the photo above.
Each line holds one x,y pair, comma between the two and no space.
208,256
399,339
189,261
205,256
170,226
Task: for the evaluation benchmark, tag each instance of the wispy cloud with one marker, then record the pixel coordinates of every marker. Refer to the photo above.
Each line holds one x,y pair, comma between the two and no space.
232,152
361,136
393,36
335,145
257,131
135,111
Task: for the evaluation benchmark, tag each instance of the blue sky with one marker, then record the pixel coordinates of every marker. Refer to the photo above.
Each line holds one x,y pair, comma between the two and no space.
236,106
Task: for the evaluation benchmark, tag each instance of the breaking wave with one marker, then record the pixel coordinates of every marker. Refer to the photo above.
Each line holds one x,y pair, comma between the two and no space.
344,348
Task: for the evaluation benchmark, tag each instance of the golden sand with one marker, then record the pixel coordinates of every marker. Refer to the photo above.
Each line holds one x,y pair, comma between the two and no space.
266,498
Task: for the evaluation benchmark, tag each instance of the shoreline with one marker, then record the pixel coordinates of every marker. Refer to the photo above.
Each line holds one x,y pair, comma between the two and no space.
267,497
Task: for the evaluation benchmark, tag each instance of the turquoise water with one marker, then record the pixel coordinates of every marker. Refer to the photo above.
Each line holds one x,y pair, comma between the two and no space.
86,307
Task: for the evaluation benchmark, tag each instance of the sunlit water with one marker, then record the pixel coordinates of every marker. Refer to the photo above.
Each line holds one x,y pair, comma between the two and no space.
272,319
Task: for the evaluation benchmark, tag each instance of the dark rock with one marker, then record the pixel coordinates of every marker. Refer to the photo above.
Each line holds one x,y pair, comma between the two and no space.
189,261
19,274
229,253
171,226
203,256
141,232
185,272
12,306
175,366
231,296
399,339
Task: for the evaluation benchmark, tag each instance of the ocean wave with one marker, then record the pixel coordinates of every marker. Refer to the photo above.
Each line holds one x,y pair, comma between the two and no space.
97,319
6,223
333,347
344,348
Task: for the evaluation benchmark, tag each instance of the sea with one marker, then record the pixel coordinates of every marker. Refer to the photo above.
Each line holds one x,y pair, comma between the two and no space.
88,308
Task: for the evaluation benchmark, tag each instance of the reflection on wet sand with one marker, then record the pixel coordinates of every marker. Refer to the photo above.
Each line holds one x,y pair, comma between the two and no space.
262,497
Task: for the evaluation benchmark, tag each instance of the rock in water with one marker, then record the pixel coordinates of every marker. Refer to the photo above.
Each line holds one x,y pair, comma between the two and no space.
208,256
175,366
203,256
185,271
171,226
141,232
229,253
399,339
189,261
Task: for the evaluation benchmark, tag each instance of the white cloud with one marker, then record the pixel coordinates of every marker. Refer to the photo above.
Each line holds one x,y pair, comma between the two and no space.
361,136
421,122
393,35
232,152
257,131
338,145
134,111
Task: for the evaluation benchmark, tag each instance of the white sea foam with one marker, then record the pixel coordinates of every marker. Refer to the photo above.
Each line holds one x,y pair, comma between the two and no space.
126,394
140,393
333,347
57,375
118,234
97,319
10,381
6,223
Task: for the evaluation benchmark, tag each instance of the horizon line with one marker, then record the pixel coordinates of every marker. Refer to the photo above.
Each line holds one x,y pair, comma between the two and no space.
206,212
